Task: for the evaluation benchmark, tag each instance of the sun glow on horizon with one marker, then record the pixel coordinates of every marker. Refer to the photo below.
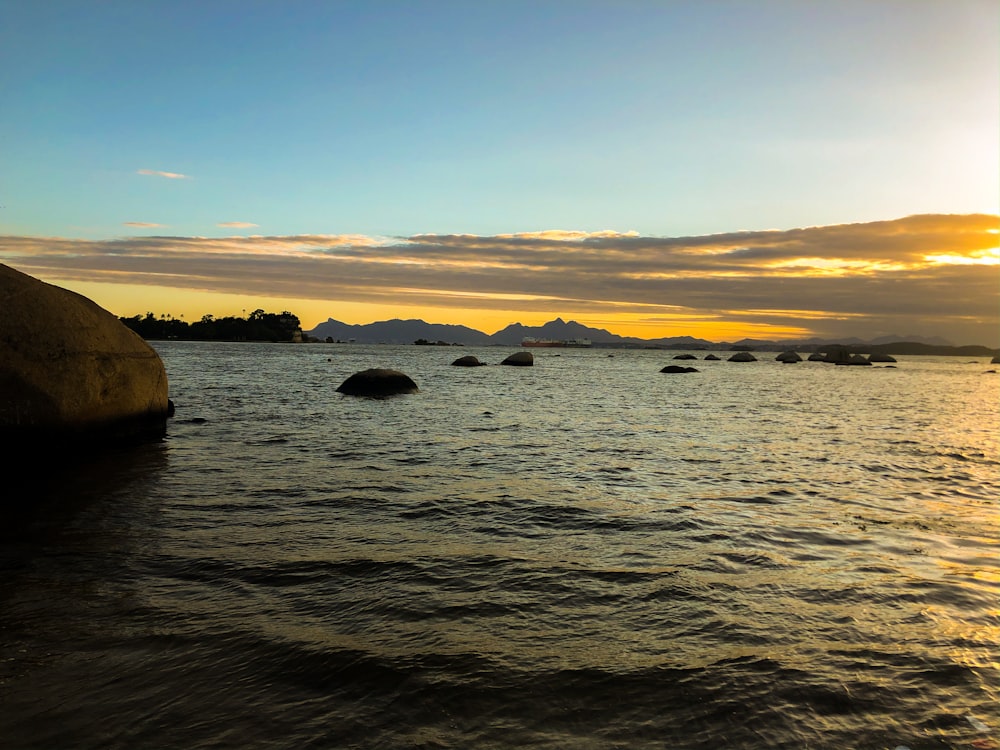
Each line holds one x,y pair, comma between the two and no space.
833,281
190,305
989,257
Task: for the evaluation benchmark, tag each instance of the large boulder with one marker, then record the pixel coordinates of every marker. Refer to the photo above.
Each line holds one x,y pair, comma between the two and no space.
743,357
467,361
838,355
520,359
70,370
788,357
378,383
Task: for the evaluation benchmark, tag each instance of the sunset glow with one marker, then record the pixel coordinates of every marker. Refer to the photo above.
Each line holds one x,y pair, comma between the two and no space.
979,258
643,286
481,165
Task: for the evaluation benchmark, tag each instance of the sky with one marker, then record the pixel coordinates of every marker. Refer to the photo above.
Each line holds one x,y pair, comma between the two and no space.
722,169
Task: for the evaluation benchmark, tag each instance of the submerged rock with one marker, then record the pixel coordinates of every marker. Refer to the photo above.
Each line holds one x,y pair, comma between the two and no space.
788,357
678,368
467,361
520,359
743,357
855,359
70,370
816,357
712,357
685,356
378,383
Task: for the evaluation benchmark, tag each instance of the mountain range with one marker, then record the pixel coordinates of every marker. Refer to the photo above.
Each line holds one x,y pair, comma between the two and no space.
409,331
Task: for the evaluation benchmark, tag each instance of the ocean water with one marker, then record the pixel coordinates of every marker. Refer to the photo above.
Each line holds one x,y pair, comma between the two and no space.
582,554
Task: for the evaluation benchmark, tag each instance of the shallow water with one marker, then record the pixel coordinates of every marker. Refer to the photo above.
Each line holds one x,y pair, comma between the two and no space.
586,553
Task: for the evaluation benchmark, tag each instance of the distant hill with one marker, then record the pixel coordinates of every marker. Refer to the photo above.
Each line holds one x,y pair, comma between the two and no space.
555,329
398,331
917,347
408,331
896,338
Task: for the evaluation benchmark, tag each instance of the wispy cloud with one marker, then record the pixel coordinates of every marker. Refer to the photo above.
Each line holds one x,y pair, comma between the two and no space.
144,224
237,224
909,274
168,175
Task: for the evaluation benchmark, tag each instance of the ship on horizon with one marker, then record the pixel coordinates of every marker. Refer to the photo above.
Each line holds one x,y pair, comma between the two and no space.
577,343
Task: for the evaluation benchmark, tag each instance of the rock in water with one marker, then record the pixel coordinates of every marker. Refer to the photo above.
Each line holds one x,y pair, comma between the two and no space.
838,355
879,357
788,357
521,359
467,361
678,368
70,370
743,357
378,383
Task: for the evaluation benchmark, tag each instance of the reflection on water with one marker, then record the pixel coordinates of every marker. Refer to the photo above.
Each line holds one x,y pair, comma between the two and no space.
585,553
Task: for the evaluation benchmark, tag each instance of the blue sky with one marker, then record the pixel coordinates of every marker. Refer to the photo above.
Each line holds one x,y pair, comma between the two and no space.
391,119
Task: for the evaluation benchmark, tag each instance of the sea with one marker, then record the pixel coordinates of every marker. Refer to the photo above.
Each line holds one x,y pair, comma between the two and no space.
585,553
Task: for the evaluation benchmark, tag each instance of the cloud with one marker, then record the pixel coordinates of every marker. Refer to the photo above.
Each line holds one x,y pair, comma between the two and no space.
168,175
907,274
146,224
239,224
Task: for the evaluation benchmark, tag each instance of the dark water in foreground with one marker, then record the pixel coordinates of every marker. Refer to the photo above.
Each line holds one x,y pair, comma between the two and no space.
583,554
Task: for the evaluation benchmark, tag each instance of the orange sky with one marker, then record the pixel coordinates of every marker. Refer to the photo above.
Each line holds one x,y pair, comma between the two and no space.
127,301
925,275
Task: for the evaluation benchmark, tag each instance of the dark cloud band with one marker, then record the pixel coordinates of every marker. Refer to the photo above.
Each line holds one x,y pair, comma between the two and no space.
833,279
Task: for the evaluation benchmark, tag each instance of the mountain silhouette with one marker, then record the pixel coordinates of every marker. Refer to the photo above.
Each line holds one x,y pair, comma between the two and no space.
398,331
557,329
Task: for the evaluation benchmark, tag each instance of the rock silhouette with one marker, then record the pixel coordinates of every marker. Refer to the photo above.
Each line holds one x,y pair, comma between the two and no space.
788,357
743,357
378,383
70,370
838,355
520,359
467,361
879,357
677,369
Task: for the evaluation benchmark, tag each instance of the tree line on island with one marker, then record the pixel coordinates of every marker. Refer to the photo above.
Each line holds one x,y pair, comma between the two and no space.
258,326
